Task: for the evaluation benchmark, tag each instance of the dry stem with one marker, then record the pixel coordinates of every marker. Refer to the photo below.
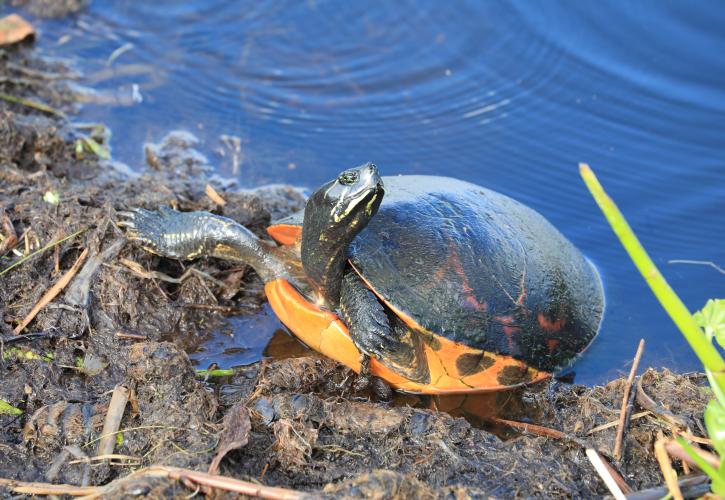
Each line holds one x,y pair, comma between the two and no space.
53,292
624,412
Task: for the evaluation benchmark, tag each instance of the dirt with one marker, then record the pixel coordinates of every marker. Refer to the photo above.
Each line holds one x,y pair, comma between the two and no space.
310,429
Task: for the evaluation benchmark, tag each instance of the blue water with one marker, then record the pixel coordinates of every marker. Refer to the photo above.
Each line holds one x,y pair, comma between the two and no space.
510,95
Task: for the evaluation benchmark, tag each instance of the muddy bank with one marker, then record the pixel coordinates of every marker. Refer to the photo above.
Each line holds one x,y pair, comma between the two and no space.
124,315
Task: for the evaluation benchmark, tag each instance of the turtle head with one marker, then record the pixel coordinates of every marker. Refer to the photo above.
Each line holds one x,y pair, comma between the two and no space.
334,215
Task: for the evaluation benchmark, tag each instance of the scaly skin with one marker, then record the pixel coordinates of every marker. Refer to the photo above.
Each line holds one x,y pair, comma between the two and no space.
189,235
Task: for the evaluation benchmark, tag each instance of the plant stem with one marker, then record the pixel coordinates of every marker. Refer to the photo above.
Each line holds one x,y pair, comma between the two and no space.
708,354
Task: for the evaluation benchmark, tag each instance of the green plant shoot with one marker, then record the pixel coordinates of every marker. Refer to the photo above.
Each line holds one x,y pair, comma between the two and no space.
705,350
711,318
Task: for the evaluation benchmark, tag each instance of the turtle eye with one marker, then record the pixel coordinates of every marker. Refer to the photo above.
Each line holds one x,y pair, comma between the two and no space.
348,177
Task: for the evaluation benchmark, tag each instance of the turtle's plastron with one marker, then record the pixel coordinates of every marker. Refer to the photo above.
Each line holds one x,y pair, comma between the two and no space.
454,368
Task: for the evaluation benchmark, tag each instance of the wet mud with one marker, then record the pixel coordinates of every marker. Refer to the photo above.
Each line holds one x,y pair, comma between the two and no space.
125,316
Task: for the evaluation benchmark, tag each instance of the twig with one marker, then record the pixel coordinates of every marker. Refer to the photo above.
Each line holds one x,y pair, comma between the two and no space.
138,270
614,423
236,485
604,473
112,456
41,250
214,196
131,336
648,403
113,420
696,439
626,488
625,411
693,487
264,472
698,262
674,449
53,292
48,488
666,467
186,476
539,430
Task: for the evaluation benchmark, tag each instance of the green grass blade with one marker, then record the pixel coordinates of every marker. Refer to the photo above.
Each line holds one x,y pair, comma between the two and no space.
718,486
679,313
31,104
41,250
219,372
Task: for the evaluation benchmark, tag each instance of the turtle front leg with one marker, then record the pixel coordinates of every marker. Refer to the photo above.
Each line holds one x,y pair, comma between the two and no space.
378,335
373,332
366,318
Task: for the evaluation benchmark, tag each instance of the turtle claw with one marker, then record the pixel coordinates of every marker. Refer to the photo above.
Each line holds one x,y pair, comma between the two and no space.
150,229
367,381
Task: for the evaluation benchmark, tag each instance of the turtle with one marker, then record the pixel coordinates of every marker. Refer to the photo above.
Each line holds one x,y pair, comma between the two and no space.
433,284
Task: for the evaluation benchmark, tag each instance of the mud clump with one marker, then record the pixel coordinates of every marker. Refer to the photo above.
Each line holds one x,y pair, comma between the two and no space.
124,317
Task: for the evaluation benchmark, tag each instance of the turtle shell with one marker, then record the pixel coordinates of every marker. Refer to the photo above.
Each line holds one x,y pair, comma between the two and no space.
470,265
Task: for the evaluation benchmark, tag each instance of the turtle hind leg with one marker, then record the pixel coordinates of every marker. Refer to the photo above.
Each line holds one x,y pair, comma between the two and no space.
378,334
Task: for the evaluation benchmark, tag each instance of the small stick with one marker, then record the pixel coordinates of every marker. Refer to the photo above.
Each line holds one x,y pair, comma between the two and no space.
626,488
539,430
131,336
112,456
48,488
264,472
674,449
113,420
214,196
666,467
56,261
696,439
604,473
623,413
184,475
52,293
645,401
613,423
693,486
236,485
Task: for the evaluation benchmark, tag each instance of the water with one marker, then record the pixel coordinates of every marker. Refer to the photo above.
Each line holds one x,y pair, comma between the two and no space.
507,95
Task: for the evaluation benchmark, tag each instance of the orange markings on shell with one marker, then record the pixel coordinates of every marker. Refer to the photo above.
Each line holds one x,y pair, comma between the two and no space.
552,344
548,325
324,332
